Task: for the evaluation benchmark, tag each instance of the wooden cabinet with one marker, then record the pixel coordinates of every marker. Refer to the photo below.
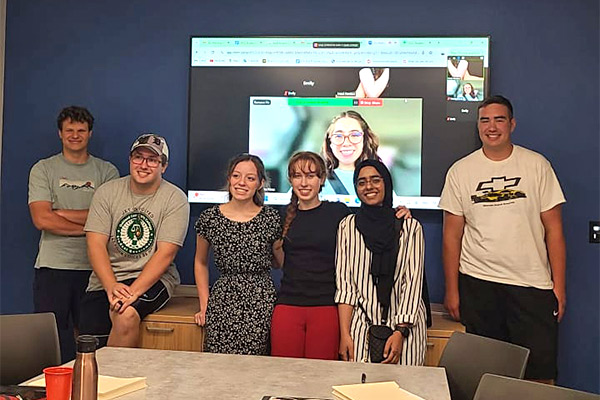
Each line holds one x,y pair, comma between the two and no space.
173,327
438,335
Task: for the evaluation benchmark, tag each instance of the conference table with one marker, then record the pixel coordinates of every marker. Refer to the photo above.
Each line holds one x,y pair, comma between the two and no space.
198,375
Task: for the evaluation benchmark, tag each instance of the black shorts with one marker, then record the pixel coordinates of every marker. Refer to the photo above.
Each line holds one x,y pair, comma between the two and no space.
60,291
525,316
95,315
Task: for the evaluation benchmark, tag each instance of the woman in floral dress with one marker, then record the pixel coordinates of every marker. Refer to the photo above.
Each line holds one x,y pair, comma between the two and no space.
242,233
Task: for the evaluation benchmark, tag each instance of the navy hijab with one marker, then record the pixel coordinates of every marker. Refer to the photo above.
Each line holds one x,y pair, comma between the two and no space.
377,225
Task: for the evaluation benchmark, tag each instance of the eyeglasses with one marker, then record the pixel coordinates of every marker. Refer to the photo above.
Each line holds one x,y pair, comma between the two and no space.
152,162
374,181
354,137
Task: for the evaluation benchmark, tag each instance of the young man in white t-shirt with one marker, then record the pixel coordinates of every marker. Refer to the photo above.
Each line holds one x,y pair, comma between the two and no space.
503,244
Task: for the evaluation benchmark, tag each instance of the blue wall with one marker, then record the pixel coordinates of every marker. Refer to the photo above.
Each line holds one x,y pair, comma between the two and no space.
128,62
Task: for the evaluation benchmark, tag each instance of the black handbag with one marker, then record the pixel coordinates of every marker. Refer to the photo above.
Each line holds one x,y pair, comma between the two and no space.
377,336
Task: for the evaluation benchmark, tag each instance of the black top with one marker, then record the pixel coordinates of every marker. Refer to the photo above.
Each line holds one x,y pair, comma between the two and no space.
309,266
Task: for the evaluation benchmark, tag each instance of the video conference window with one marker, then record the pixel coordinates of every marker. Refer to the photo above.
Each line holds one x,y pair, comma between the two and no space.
275,96
342,130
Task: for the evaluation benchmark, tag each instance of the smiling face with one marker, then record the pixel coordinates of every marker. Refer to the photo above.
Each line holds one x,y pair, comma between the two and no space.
74,135
370,186
244,181
347,152
467,88
144,177
495,127
306,183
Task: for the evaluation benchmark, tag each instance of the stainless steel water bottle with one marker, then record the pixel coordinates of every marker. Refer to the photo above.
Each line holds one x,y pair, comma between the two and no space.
85,370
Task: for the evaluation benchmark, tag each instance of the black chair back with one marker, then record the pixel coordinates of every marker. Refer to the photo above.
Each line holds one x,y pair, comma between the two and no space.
467,357
28,344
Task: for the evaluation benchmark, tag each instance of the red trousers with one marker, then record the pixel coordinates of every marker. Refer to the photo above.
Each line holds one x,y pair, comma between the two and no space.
305,332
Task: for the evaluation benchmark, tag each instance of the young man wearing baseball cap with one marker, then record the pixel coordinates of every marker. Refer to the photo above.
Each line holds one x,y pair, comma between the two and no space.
134,229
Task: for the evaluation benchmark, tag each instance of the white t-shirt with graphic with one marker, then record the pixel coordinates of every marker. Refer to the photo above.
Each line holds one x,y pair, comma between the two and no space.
135,224
501,201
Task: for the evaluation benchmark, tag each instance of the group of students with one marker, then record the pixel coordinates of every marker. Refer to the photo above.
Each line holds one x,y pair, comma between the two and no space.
342,272
135,225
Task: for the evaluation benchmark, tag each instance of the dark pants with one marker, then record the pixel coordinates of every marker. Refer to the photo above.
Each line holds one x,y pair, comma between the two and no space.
60,291
525,316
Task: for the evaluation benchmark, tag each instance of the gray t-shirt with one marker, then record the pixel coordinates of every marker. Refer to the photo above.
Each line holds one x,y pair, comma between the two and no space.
67,186
135,224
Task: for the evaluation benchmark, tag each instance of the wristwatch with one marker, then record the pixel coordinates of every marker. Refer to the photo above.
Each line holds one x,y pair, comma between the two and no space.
403,329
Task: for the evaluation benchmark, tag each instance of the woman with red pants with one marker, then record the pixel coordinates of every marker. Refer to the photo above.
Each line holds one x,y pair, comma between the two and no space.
305,320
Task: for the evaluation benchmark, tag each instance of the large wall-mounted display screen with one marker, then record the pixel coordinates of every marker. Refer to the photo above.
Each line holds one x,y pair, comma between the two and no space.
411,101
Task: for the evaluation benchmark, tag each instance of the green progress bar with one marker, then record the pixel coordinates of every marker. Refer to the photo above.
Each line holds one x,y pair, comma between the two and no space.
319,102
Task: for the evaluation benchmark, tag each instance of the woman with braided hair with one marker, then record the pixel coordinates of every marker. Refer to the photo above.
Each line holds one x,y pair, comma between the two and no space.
305,321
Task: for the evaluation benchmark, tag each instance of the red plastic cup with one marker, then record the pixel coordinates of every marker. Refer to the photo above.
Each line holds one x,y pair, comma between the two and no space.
58,382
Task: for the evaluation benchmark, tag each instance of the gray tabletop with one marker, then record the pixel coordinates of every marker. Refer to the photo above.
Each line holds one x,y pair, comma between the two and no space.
195,375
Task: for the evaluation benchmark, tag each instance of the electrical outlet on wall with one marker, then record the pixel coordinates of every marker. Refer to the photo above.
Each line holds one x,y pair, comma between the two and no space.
594,231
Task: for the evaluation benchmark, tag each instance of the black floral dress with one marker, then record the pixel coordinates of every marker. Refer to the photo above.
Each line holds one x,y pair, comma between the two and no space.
241,301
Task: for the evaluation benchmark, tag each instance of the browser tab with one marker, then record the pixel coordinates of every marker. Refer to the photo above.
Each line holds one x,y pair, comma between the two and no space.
336,45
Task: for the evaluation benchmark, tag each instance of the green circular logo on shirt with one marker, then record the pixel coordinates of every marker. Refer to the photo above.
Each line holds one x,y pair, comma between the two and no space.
135,233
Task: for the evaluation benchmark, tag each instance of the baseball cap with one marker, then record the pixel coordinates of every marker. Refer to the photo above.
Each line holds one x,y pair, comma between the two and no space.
153,142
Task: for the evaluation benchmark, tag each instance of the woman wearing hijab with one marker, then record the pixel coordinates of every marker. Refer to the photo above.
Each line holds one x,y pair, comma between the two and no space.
379,273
